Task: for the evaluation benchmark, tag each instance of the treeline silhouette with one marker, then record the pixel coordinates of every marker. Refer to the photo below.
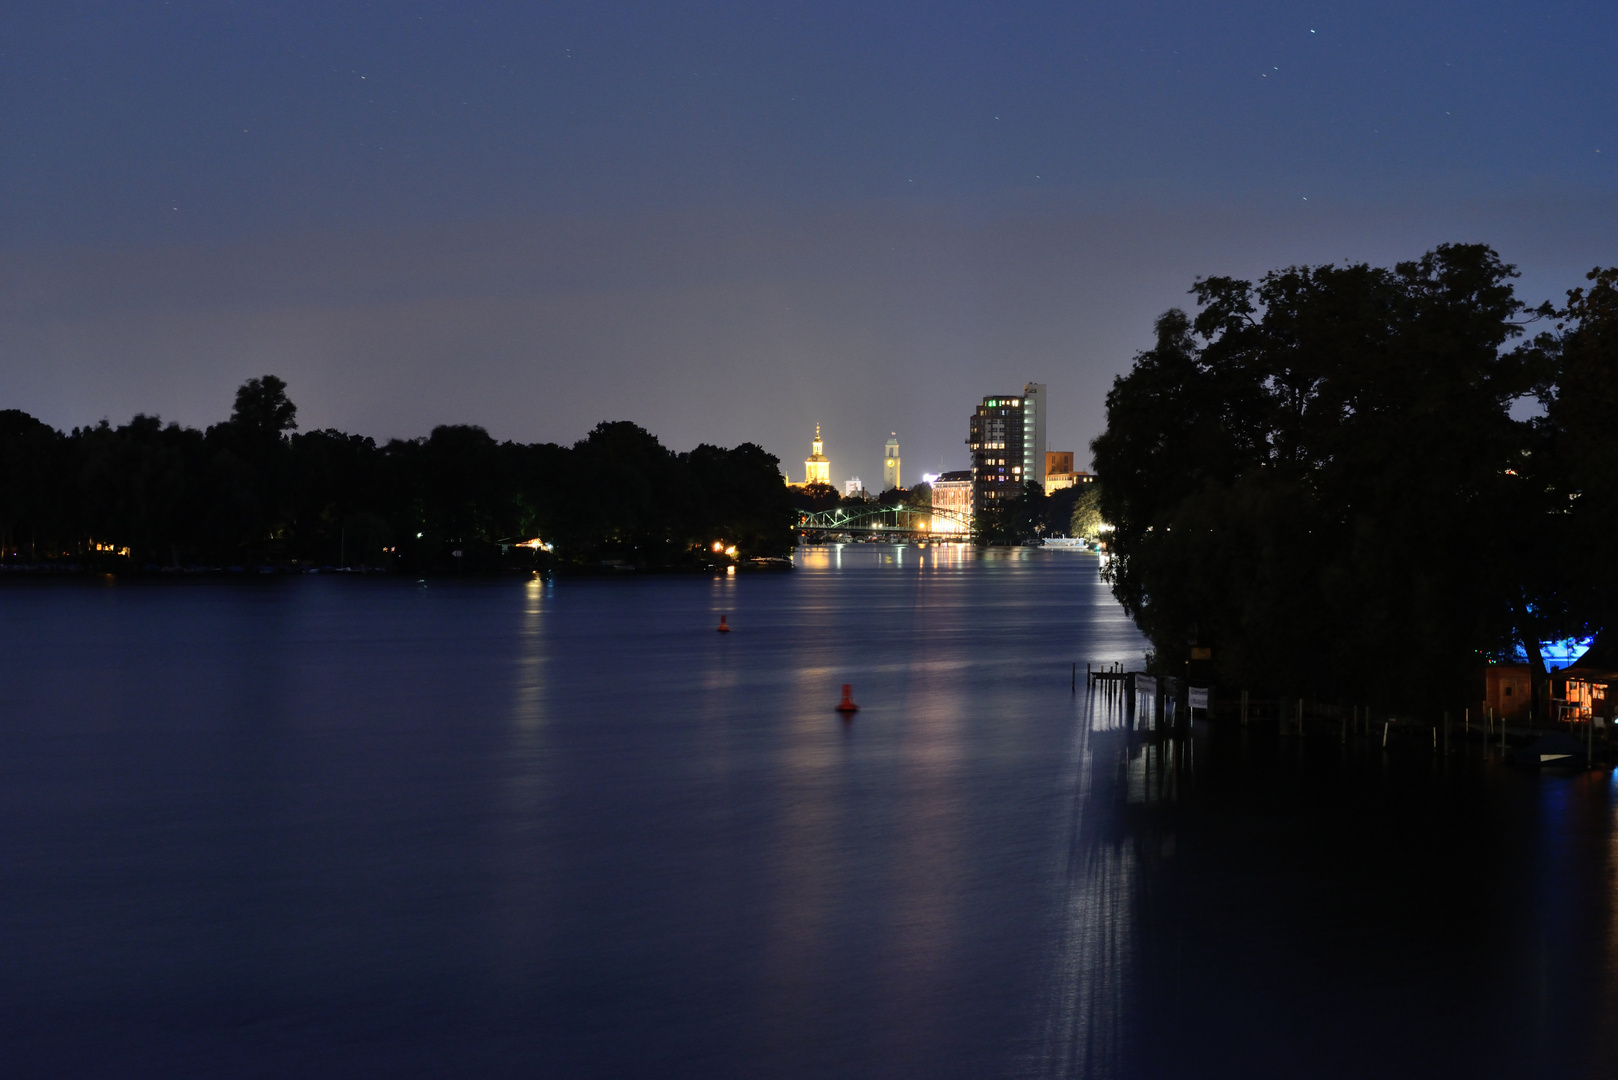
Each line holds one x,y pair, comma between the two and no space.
1324,482
254,492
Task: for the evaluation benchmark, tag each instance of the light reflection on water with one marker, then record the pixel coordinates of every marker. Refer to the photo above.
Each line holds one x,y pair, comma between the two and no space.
514,829
1088,984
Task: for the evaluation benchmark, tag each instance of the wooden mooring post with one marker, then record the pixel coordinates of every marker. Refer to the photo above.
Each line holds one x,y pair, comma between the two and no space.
1244,708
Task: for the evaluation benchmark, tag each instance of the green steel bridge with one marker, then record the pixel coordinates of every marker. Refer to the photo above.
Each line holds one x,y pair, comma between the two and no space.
905,521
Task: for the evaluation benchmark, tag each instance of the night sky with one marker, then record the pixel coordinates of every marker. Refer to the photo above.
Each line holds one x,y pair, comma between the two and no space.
727,222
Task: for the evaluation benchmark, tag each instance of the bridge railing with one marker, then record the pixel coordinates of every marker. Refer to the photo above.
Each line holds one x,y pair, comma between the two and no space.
839,518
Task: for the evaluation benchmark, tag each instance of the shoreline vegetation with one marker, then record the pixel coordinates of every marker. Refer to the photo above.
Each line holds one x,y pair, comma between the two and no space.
254,495
1356,484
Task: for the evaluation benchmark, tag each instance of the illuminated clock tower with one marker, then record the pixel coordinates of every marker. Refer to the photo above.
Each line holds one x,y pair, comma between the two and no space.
890,464
816,467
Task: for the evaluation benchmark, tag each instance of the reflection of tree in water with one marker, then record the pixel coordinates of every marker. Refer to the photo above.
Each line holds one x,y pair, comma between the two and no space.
1604,1050
1090,983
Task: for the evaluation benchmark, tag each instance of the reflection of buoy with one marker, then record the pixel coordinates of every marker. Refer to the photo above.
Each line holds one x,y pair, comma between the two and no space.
724,627
847,704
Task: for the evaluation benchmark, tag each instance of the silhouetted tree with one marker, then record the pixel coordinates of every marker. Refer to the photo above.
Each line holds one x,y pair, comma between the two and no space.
262,406
1319,477
34,486
1574,579
138,487
1014,520
1058,510
739,498
249,490
815,497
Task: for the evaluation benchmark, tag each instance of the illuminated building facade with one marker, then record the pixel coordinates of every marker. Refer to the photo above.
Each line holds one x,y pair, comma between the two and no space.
1006,436
890,464
1060,481
817,467
1059,474
1033,432
952,492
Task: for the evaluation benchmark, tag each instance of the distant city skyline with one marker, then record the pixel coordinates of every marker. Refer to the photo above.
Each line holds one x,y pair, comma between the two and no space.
1032,445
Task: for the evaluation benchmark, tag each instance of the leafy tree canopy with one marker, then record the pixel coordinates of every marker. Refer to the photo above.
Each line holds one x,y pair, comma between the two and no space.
1085,519
262,406
1319,477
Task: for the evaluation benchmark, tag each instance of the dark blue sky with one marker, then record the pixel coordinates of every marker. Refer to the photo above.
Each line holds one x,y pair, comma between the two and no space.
729,222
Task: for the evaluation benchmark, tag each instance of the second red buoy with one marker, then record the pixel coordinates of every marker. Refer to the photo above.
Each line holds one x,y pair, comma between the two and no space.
847,704
724,627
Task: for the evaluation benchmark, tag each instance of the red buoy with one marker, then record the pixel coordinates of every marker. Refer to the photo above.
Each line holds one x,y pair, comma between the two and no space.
847,704
724,628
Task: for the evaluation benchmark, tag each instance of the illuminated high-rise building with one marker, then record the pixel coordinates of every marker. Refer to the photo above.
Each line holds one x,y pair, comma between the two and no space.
995,439
1033,432
1007,439
890,464
817,467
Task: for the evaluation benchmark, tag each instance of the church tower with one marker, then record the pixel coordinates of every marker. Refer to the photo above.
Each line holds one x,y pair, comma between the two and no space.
816,467
890,464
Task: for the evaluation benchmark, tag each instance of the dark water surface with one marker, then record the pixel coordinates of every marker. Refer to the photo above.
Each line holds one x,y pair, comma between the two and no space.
328,827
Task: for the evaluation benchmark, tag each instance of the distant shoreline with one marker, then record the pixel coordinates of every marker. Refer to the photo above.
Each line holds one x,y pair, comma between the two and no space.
78,571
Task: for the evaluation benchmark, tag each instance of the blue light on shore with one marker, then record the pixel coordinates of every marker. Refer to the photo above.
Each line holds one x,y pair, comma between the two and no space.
1558,654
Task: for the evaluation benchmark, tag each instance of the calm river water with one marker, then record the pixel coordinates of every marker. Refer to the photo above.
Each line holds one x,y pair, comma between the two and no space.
360,827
